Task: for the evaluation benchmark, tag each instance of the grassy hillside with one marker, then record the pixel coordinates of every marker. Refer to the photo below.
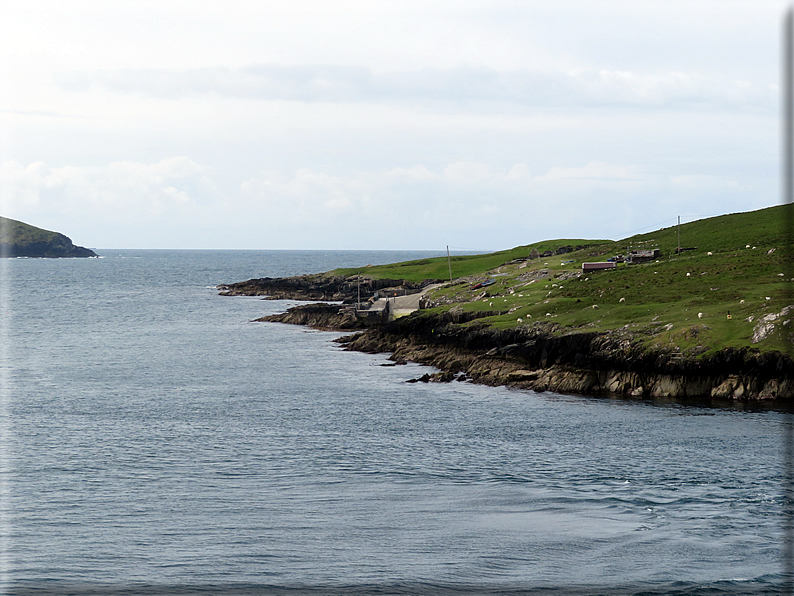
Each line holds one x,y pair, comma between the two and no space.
18,239
693,302
22,234
462,266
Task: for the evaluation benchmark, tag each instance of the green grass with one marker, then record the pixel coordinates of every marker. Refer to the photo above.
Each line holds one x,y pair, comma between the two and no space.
22,234
660,303
462,266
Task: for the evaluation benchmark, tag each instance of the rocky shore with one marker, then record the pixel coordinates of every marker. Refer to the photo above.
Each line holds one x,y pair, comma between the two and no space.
317,287
326,317
544,357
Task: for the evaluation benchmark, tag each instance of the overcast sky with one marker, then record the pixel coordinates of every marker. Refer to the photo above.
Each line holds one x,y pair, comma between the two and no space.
481,124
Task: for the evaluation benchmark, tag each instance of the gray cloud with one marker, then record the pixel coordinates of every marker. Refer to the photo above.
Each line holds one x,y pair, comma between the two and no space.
352,84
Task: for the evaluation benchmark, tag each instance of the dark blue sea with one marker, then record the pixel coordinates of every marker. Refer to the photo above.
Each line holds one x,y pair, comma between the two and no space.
156,441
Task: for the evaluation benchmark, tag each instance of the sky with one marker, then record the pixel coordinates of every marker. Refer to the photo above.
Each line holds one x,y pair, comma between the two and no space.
380,125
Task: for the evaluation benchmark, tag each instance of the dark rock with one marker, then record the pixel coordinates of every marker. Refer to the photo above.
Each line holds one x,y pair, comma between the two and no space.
318,316
318,287
425,378
539,357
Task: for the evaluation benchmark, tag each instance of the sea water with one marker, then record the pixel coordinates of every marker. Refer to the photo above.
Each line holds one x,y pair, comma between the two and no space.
156,440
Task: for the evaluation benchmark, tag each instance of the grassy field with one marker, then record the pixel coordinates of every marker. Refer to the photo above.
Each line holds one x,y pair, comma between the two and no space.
694,302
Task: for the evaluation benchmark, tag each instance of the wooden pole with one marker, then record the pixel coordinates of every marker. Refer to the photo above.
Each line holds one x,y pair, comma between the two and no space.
449,263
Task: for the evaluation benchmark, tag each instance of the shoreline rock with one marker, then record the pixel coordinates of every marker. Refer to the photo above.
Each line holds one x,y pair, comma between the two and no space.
320,287
322,316
541,358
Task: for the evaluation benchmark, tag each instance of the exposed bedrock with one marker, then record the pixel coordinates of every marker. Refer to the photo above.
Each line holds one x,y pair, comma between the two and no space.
319,316
587,363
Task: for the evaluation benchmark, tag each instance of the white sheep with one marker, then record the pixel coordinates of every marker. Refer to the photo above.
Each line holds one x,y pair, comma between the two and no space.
687,274
709,253
701,315
622,300
520,320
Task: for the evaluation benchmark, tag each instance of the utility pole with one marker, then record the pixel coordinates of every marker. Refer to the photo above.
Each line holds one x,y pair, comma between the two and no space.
358,287
449,263
678,252
788,194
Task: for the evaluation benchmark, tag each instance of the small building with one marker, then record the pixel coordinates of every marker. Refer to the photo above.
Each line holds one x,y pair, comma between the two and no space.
641,256
597,266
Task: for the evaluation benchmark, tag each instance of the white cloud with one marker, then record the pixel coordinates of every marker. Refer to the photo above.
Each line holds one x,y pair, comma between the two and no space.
460,86
364,124
700,182
132,190
467,204
594,172
467,172
416,174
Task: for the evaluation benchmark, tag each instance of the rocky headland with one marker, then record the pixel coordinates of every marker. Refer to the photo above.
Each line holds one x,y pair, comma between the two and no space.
18,239
543,357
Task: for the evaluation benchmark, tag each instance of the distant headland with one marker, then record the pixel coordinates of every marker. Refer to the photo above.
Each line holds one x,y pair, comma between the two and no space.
18,239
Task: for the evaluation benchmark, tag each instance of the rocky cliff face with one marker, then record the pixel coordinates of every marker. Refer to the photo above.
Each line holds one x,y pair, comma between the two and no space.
534,357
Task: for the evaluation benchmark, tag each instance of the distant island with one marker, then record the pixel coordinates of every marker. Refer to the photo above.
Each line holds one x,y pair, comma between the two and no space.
700,311
18,239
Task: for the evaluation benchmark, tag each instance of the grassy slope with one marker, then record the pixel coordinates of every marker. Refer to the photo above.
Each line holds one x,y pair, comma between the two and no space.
661,304
462,266
22,234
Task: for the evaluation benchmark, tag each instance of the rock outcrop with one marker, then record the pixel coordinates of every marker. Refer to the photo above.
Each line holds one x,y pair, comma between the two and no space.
329,317
537,357
543,357
322,287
